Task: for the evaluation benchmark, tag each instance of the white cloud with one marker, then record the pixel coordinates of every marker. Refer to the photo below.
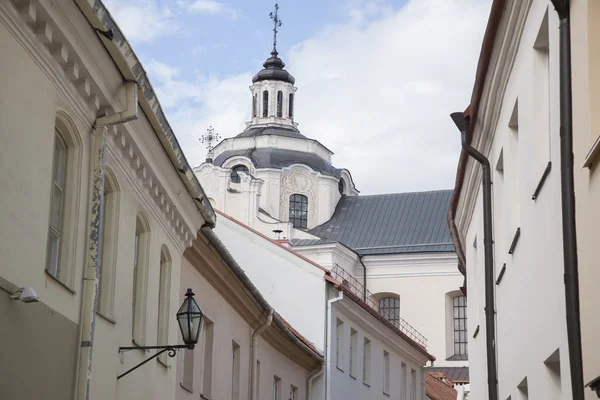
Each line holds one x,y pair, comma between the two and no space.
377,91
208,7
142,20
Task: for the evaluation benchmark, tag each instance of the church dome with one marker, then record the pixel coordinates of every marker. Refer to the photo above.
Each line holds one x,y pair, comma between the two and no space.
273,70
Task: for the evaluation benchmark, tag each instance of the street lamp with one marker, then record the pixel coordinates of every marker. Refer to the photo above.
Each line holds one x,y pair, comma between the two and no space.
189,318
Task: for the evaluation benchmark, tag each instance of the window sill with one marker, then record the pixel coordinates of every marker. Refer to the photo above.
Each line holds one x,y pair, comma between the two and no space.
61,283
163,362
458,357
366,384
186,388
339,369
352,376
104,317
386,394
545,174
204,398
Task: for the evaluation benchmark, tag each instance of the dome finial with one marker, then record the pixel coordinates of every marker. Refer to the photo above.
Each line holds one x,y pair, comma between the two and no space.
276,24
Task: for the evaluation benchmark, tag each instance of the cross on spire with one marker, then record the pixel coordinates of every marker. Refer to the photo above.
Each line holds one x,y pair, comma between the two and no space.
276,24
210,137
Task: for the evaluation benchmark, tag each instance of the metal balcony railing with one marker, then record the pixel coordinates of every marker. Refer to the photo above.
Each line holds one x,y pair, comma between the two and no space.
393,316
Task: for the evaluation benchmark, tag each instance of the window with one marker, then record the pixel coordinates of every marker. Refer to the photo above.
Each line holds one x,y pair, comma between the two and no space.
280,104
291,106
459,307
57,200
299,210
367,362
140,273
341,186
235,372
413,384
265,112
235,178
293,393
403,381
389,307
276,388
353,351
339,344
254,101
110,228
207,358
164,293
386,372
187,379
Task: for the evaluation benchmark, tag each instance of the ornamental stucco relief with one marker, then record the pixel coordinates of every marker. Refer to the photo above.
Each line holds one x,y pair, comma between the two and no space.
298,180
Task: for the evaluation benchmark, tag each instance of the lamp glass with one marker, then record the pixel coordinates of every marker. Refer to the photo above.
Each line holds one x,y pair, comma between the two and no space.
189,318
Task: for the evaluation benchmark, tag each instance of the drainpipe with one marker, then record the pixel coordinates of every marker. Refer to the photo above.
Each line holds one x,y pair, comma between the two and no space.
328,344
571,273
309,381
253,344
87,323
364,278
462,124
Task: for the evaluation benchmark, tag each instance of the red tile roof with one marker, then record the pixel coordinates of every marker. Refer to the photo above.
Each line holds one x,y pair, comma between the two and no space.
437,389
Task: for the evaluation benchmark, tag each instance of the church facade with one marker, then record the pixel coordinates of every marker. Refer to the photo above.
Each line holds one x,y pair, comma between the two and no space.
392,250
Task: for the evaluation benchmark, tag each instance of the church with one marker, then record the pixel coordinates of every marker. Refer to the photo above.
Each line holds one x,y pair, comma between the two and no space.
392,250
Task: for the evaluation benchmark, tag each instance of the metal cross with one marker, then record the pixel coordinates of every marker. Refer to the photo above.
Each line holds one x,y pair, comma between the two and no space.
210,137
276,24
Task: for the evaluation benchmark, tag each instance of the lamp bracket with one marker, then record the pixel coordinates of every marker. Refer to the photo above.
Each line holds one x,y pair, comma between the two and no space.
172,350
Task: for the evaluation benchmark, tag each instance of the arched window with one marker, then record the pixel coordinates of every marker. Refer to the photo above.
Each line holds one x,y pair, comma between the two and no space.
254,111
280,104
291,106
140,274
265,104
235,178
63,199
459,317
389,308
299,210
164,294
110,228
341,186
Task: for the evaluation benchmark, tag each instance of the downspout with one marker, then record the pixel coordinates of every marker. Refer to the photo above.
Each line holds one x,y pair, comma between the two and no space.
364,278
462,123
328,342
571,273
253,343
87,323
309,381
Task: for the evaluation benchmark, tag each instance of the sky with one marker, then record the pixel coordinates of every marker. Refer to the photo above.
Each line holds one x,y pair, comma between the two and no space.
376,79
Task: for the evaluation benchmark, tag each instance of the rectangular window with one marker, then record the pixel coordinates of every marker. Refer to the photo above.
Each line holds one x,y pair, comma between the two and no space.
235,372
413,384
386,372
459,306
367,362
164,294
403,381
57,200
140,264
276,388
207,358
353,351
339,347
187,379
293,393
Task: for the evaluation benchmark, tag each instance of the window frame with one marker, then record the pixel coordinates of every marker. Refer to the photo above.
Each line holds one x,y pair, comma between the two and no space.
279,104
298,222
140,278
291,106
456,319
389,308
366,378
164,297
265,110
234,176
339,344
386,372
353,354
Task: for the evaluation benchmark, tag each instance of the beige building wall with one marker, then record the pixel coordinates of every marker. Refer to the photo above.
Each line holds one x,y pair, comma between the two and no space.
585,36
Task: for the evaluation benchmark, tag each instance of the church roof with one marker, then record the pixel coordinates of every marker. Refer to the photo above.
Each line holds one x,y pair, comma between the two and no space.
389,223
273,70
280,158
269,130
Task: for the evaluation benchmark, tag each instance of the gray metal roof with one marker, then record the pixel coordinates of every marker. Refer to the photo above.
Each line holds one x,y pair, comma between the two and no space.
310,242
270,130
280,158
390,223
455,374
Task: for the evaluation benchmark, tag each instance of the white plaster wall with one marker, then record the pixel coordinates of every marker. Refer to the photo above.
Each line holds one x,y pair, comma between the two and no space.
294,287
530,297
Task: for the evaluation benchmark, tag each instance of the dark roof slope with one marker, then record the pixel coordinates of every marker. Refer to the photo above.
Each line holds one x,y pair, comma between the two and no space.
280,158
270,130
390,223
455,374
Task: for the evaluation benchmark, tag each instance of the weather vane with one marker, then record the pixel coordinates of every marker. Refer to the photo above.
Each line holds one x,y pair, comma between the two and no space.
276,24
210,138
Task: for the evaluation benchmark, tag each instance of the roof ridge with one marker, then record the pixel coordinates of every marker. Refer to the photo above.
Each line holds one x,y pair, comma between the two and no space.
396,193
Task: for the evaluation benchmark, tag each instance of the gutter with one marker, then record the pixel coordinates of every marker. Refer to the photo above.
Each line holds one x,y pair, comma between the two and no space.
87,322
462,123
328,343
571,272
130,66
309,381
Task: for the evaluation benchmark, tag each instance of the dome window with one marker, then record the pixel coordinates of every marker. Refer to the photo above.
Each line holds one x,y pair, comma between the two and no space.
254,101
265,104
299,211
341,186
280,104
291,105
235,178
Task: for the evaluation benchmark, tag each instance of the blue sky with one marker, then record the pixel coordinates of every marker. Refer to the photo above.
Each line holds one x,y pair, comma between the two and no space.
376,79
